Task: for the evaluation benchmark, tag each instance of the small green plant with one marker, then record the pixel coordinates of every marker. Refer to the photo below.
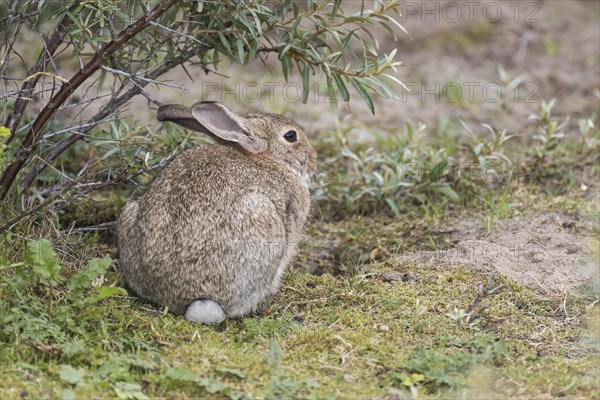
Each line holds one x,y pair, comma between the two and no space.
488,153
414,165
439,369
463,319
4,134
510,85
40,305
418,319
498,208
397,166
590,134
549,132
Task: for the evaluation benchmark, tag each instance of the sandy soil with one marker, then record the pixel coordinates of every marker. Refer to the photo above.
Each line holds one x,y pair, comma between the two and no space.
553,45
549,252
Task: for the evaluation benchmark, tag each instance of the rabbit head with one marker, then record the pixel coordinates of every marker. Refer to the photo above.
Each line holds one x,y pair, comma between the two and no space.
261,135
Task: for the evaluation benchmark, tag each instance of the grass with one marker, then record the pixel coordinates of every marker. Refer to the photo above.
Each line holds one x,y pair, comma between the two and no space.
363,323
324,337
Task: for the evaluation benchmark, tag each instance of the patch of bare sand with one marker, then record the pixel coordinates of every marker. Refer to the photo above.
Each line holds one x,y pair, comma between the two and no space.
549,252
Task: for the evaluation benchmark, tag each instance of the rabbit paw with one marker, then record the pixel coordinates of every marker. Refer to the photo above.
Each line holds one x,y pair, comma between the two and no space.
263,305
204,311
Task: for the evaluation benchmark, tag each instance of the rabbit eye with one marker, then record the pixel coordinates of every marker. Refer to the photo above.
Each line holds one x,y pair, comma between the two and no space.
291,136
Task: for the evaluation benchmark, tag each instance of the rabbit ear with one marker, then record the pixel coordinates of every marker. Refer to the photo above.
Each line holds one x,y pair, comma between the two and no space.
181,115
227,125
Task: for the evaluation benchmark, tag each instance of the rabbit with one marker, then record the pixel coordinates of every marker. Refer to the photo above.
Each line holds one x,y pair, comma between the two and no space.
212,235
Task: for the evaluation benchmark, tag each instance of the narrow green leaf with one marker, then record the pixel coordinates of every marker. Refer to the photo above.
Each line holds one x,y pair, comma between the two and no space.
333,106
336,7
393,206
240,49
438,170
363,93
216,58
226,48
339,82
347,38
305,83
354,18
286,64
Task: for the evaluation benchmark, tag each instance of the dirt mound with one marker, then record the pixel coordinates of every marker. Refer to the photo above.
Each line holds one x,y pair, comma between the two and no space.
549,252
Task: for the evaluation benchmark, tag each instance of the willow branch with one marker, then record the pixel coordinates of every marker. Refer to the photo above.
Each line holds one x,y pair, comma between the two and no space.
82,189
50,47
8,22
106,111
67,89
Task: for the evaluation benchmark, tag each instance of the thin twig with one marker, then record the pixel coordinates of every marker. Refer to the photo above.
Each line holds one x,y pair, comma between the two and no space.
99,227
154,23
483,292
9,20
77,128
133,78
9,50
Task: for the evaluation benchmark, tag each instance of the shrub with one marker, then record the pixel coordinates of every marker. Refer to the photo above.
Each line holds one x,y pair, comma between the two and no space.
128,46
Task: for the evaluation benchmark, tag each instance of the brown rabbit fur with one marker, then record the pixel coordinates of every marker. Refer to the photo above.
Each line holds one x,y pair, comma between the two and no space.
214,232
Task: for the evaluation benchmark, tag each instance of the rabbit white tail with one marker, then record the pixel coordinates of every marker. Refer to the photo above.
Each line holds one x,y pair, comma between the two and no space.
205,312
